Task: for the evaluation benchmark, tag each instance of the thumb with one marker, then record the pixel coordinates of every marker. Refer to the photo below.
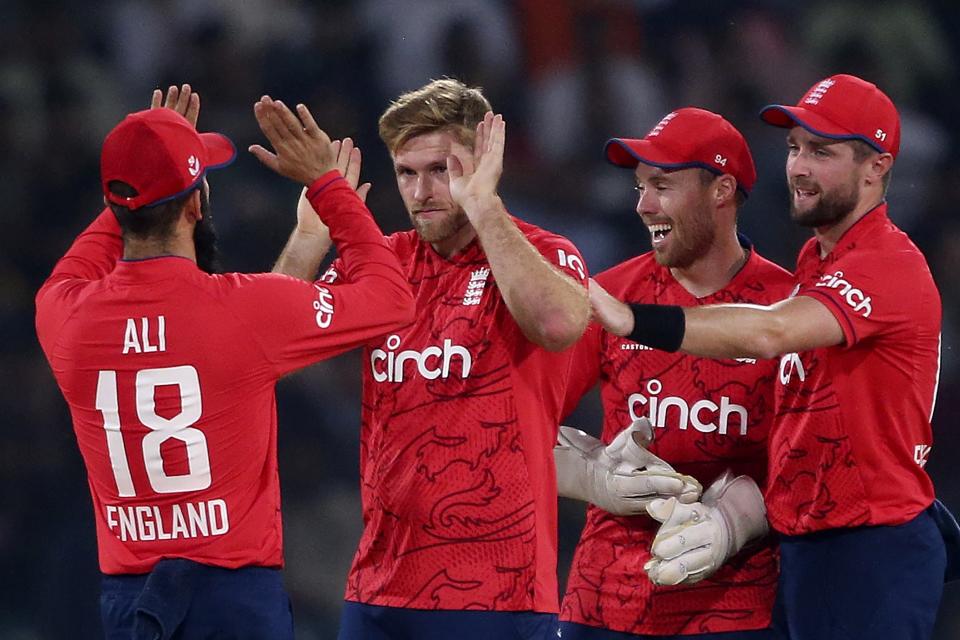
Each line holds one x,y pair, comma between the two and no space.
661,509
363,190
266,157
641,431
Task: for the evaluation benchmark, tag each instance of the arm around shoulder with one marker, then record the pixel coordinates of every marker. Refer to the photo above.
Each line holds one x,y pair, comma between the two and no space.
797,324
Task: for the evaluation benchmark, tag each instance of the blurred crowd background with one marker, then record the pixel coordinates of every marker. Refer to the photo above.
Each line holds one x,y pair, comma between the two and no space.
566,74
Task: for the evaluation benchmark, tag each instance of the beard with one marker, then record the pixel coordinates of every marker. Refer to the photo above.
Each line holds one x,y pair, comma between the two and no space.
831,207
440,229
205,238
695,237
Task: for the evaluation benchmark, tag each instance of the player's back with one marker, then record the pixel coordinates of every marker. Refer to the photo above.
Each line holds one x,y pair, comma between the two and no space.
171,391
169,373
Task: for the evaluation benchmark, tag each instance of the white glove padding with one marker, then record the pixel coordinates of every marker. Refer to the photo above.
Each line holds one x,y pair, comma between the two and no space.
622,477
696,539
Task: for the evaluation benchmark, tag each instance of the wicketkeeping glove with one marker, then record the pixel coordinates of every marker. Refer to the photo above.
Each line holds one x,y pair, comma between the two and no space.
622,477
696,539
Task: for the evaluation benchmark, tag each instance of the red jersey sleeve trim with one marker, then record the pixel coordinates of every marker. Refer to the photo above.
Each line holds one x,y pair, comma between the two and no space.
849,331
322,183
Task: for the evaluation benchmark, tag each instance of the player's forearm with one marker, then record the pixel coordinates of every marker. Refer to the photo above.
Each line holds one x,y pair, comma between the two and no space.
800,323
734,331
551,309
302,255
724,331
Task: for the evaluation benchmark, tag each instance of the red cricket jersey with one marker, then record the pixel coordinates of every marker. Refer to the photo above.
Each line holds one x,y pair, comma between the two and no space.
169,374
459,418
853,430
709,415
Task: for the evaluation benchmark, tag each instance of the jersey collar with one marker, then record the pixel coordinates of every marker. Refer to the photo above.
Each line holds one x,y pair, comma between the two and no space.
156,268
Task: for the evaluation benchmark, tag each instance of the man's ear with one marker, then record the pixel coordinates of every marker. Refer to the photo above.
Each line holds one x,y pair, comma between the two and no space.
725,188
191,207
878,167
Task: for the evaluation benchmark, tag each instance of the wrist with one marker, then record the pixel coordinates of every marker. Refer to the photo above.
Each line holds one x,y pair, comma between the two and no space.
483,208
311,236
657,326
321,181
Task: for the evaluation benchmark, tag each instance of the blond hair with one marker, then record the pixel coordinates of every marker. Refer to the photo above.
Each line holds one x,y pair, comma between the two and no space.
442,105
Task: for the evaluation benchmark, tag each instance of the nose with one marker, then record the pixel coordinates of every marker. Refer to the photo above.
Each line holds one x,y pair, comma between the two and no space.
647,203
423,190
797,165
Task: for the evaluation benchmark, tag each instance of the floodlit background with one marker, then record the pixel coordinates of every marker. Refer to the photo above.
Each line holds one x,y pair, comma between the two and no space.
566,74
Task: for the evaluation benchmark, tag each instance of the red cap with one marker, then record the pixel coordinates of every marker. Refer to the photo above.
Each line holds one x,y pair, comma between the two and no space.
685,138
843,107
161,155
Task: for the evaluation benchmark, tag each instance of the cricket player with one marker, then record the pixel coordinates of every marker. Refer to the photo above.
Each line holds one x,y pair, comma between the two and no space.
859,343
712,418
461,407
169,371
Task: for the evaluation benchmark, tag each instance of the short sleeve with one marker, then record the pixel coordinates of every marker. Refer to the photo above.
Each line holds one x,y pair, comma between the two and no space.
563,254
865,295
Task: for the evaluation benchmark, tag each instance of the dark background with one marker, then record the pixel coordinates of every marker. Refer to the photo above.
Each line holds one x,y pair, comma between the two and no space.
566,75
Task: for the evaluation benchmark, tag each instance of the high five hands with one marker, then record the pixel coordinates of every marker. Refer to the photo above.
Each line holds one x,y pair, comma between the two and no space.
183,100
474,179
302,151
348,164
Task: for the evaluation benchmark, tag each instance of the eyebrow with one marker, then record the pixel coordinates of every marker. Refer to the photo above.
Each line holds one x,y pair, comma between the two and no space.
405,167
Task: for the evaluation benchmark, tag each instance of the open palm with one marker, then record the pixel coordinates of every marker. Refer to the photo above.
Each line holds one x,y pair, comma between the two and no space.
473,178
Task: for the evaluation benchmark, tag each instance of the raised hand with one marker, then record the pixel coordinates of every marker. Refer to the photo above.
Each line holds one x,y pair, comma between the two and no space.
302,151
474,179
183,100
348,164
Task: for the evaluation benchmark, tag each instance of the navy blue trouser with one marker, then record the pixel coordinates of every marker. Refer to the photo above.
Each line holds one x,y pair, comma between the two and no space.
371,622
864,583
574,631
184,600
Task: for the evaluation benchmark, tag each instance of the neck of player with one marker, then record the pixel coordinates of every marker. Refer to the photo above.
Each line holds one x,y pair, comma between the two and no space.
716,268
451,246
179,243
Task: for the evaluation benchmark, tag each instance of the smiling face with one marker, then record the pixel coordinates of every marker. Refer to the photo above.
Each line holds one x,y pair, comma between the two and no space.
421,169
675,207
824,177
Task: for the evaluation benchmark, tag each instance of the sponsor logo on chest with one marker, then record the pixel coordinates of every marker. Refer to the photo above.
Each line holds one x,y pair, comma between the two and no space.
790,365
706,416
432,362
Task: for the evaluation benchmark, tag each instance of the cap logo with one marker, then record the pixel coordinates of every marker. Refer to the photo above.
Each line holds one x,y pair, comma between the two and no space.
819,91
193,165
660,125
880,135
720,160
